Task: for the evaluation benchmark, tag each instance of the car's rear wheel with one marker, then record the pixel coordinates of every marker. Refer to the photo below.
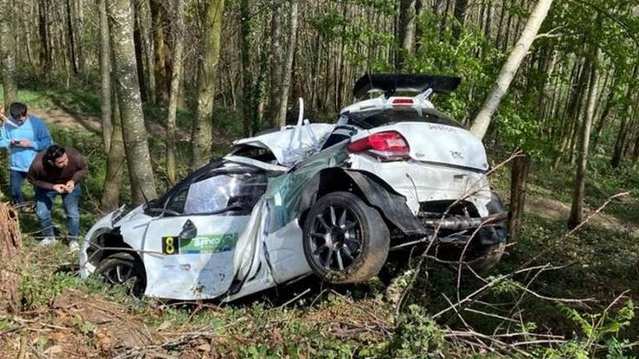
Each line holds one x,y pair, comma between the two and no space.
345,240
123,269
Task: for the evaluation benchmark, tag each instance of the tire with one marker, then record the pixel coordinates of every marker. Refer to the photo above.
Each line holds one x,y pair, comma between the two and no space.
345,240
123,269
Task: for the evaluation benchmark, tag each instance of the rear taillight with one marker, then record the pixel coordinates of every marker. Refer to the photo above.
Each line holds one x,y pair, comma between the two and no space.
386,145
400,101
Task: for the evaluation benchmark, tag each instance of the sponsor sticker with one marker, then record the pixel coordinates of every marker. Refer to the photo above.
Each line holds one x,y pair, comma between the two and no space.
211,243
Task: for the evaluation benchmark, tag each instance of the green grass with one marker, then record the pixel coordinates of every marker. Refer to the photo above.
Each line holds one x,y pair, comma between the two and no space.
82,101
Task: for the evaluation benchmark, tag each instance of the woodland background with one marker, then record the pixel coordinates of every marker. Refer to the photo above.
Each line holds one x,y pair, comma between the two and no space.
150,89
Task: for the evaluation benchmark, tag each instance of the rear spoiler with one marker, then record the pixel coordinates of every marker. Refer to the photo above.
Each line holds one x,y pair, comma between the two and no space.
391,83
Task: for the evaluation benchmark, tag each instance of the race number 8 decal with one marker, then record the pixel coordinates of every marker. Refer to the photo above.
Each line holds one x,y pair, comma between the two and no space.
170,245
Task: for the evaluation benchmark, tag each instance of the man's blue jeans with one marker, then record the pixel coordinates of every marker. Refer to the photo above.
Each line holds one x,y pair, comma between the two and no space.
16,178
44,202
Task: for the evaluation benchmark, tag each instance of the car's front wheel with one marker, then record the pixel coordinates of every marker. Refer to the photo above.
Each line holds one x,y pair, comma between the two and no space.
345,240
123,269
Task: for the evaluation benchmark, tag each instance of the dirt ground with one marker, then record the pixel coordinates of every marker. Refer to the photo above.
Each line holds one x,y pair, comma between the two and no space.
555,210
81,325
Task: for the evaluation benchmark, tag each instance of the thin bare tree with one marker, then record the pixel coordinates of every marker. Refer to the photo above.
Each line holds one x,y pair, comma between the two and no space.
202,134
176,77
576,210
510,67
7,53
129,101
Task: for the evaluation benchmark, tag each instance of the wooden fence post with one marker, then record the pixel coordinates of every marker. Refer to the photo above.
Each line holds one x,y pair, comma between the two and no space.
519,176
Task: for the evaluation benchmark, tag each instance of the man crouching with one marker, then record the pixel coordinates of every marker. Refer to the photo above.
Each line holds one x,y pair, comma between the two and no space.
58,170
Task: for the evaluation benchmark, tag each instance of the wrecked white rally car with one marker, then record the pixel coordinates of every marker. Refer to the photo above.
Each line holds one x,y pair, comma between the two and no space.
340,201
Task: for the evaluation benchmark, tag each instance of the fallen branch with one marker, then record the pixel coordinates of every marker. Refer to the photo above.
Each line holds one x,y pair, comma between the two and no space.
186,338
498,343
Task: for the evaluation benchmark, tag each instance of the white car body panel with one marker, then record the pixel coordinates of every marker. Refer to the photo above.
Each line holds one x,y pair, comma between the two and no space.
202,270
196,276
441,144
422,182
423,178
291,143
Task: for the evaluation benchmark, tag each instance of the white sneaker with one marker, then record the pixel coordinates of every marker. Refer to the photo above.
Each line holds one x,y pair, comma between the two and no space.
47,241
74,246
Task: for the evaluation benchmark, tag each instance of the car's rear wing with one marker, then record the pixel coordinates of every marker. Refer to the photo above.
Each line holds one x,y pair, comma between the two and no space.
391,83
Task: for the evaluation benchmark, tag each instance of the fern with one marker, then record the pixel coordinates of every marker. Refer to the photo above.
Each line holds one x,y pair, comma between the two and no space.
596,328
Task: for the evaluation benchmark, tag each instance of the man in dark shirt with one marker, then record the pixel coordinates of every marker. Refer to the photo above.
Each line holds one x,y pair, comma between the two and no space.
58,170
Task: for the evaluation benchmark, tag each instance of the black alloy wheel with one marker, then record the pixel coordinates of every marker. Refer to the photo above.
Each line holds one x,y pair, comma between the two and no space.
123,269
345,240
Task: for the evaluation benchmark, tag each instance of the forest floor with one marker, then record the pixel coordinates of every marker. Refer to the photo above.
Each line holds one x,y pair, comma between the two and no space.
575,296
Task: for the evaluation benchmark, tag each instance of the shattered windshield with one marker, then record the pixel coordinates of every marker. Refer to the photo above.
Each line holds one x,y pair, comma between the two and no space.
223,191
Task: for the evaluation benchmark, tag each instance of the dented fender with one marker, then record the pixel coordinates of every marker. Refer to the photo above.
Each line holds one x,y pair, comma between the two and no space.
371,189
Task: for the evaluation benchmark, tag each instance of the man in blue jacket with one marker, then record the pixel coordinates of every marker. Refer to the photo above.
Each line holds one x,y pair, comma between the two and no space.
24,135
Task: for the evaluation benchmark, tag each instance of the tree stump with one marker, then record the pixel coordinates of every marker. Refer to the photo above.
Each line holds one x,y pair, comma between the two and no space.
10,262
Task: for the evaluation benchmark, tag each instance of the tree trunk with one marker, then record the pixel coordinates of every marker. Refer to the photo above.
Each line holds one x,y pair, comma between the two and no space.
115,165
420,7
615,161
146,36
130,104
71,37
578,80
7,53
461,6
576,210
46,58
578,112
160,23
79,25
27,8
500,26
482,120
488,21
245,57
288,69
519,178
507,28
622,135
105,77
10,257
139,55
176,78
202,134
444,18
277,63
605,113
405,31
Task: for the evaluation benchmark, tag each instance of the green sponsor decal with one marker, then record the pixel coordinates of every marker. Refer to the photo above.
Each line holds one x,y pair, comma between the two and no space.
212,243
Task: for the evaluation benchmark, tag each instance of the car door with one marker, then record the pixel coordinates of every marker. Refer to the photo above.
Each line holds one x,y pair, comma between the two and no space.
189,249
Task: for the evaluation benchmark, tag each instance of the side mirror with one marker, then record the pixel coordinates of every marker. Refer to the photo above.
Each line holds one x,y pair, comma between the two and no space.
189,231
